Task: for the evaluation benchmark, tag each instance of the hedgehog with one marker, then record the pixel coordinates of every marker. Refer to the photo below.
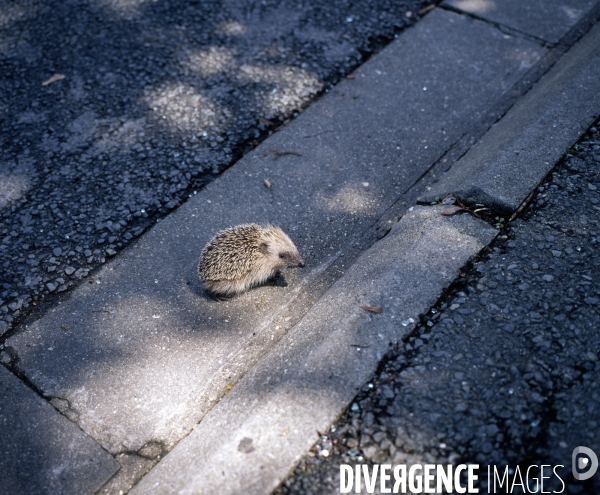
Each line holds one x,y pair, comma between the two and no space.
241,257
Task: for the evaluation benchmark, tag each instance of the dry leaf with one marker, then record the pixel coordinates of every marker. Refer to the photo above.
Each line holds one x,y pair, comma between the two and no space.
227,388
373,309
453,210
449,200
54,78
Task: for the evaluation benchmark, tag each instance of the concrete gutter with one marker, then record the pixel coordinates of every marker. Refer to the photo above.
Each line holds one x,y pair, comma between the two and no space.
40,446
258,432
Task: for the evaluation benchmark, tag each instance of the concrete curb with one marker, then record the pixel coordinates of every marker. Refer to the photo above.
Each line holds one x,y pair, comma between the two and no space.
516,154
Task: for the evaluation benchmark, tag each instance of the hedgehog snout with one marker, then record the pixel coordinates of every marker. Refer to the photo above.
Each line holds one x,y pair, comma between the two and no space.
295,262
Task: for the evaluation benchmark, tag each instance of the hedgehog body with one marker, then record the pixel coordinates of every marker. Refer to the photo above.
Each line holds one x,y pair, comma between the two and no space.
240,257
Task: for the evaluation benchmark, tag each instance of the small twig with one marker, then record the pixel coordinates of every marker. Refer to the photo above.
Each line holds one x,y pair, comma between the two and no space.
54,78
284,123
100,311
279,154
372,309
360,346
425,10
522,207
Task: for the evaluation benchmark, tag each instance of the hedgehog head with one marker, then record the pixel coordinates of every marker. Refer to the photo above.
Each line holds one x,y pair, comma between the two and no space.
279,249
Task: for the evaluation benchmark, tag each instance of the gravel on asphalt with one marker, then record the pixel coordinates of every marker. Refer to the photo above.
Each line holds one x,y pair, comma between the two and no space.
112,113
505,369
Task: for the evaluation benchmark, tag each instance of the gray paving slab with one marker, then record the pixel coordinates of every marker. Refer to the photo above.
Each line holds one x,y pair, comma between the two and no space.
547,20
250,441
142,354
514,156
41,451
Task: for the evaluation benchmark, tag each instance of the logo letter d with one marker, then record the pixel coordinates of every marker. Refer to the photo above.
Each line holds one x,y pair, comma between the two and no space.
591,469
